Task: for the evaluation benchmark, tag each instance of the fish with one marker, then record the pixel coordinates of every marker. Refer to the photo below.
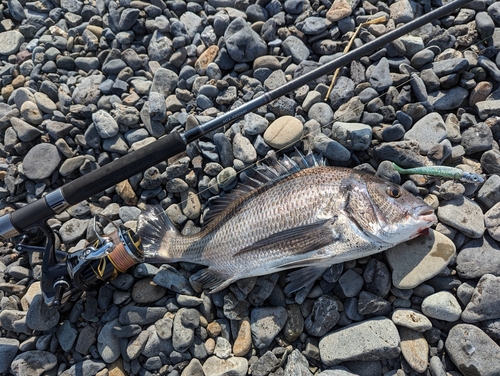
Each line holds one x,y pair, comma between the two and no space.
289,215
442,171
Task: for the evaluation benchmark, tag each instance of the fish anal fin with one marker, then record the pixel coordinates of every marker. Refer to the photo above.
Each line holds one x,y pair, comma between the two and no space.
304,277
211,279
297,240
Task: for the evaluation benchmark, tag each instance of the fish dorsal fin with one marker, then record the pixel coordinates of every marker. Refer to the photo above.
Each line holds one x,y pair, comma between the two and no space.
266,173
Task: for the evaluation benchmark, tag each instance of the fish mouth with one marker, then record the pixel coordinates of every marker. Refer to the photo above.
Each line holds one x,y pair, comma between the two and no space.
426,214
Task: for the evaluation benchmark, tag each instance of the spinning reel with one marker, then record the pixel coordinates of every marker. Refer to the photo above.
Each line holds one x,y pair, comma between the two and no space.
67,274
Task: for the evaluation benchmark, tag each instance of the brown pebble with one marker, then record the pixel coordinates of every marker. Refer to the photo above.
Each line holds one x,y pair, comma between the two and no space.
415,349
243,342
18,81
213,329
340,9
480,92
207,57
116,368
126,192
210,346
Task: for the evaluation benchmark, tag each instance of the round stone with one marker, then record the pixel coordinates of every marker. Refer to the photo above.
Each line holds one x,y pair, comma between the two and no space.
41,161
283,132
442,306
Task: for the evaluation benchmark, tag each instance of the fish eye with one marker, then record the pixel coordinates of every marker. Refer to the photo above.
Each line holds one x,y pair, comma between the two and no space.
394,192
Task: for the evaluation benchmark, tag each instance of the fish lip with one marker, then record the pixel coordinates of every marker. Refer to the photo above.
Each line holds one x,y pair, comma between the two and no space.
427,214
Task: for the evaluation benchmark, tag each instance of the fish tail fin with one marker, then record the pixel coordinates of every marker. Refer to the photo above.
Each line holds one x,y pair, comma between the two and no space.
157,232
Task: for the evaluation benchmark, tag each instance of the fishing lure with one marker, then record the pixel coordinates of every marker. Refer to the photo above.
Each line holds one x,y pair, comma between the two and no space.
442,171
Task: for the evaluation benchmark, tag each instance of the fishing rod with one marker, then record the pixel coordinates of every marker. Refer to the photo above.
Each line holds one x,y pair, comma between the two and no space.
91,267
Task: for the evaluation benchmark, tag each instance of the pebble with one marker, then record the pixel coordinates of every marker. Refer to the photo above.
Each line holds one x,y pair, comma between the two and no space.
236,366
33,362
41,161
353,136
412,319
419,259
463,214
373,339
265,325
478,257
470,348
484,302
428,131
283,132
442,306
323,317
414,348
8,350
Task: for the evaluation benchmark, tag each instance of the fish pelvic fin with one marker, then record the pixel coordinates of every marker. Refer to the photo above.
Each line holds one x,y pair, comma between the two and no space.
304,278
211,279
156,231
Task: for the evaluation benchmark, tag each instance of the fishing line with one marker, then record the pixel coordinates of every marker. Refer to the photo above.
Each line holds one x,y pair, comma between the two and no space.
315,133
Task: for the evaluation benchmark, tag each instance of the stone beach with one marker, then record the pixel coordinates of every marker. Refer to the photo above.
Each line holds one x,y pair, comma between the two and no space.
85,82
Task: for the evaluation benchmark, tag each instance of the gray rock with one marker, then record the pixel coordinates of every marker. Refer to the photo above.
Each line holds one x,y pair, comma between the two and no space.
374,339
33,362
331,149
428,131
265,325
105,125
243,149
8,351
171,279
87,367
487,108
185,322
297,364
73,230
354,136
236,366
411,319
477,138
164,82
380,77
350,283
489,193
66,335
160,48
444,100
471,349
242,42
442,306
323,317
40,316
478,257
371,304
41,161
294,47
10,41
464,215
141,315
322,113
87,92
484,304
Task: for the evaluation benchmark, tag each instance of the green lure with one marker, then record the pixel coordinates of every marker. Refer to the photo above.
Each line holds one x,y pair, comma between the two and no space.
442,171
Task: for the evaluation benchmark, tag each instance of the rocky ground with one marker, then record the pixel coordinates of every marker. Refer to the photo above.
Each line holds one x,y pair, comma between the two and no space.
83,83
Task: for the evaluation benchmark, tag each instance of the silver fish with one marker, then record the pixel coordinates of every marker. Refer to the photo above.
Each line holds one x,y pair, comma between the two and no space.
312,218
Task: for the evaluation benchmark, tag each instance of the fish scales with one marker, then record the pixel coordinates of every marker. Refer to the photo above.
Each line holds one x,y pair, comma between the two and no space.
314,218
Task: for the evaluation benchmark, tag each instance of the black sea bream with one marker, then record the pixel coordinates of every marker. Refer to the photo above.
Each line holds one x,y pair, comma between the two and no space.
314,217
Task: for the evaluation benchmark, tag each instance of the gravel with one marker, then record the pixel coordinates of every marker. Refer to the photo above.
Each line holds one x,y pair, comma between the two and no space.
84,83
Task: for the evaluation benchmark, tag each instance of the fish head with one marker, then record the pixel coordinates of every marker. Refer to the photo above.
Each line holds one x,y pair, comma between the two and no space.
386,212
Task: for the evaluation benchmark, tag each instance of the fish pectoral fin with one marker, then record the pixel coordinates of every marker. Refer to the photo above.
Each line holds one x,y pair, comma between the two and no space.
298,240
304,277
211,279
